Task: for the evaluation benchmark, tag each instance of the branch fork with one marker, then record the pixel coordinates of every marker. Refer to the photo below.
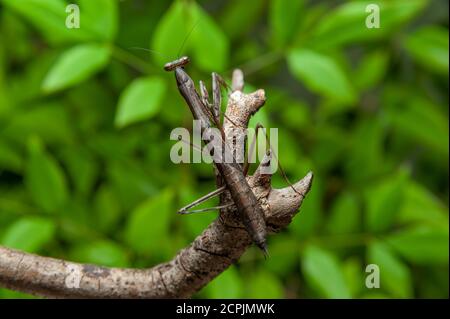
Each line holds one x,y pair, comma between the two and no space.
219,246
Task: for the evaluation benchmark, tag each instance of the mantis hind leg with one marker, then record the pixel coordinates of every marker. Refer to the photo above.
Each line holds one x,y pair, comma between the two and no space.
252,147
185,210
217,82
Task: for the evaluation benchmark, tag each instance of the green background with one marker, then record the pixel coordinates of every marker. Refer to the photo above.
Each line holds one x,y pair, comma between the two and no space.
85,119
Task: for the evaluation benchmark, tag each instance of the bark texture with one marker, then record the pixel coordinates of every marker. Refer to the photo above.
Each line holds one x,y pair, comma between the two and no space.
219,246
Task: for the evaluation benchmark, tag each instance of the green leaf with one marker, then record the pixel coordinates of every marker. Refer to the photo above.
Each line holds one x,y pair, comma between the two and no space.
131,183
429,47
263,285
345,215
296,115
141,100
171,31
45,180
34,121
283,19
321,74
30,234
107,209
49,17
227,285
422,245
103,253
239,17
420,120
12,294
384,201
82,167
306,223
330,143
324,273
76,65
354,275
10,157
147,229
282,261
209,44
371,70
367,143
26,86
422,206
98,19
347,23
15,30
395,276
433,285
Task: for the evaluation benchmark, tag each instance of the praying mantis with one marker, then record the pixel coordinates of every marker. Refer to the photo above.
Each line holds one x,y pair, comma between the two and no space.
232,173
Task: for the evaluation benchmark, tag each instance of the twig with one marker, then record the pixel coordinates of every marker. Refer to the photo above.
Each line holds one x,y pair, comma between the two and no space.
218,247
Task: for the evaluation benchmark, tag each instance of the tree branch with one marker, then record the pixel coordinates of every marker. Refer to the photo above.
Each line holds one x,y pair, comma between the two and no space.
219,246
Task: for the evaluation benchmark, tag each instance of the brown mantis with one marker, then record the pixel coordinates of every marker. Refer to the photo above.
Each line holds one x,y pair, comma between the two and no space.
233,175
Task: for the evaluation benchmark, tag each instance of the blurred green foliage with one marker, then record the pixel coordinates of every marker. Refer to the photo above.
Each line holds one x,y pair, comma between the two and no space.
85,119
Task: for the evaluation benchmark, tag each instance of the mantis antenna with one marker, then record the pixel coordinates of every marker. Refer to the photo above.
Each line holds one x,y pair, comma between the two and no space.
187,37
180,49
149,50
